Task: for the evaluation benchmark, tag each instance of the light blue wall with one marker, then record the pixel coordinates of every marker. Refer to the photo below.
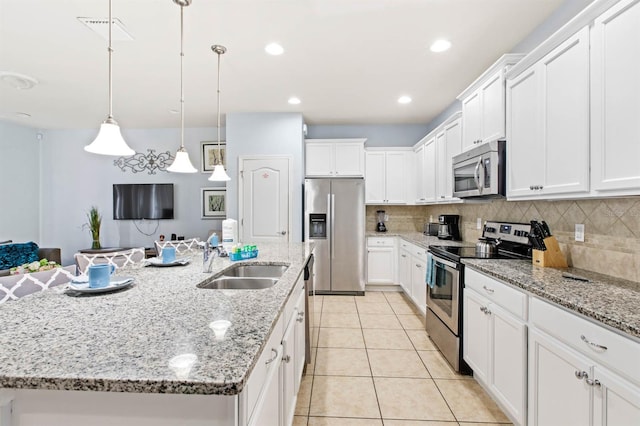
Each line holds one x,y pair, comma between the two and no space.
74,180
266,134
19,184
383,135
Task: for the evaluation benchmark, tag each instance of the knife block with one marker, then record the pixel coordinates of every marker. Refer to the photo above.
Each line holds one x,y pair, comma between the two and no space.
552,257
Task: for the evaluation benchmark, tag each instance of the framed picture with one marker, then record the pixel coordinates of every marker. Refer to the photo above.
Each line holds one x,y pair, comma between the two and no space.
214,203
209,155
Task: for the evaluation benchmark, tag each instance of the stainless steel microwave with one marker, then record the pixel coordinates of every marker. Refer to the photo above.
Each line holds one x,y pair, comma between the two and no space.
481,171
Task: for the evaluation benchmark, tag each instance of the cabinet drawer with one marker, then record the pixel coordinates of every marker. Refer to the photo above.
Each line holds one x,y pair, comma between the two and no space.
414,250
509,298
381,242
621,354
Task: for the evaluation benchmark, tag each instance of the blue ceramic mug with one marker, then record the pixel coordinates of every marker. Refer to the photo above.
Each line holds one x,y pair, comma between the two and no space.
168,255
100,275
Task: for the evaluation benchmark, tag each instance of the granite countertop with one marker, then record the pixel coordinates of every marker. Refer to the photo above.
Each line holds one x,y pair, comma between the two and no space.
124,341
420,239
609,300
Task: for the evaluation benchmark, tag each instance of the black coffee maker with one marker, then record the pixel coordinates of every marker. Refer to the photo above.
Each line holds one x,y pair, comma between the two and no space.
448,228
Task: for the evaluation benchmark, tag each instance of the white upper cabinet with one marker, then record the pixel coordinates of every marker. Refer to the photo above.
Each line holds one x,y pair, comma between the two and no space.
483,104
334,157
387,176
548,124
429,170
615,94
448,146
419,167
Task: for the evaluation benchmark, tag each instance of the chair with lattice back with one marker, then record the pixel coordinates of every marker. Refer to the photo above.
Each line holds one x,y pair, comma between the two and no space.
117,258
13,287
180,245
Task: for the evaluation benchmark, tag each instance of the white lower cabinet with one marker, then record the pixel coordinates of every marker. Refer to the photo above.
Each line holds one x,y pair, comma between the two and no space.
570,356
381,260
495,342
271,391
412,264
404,267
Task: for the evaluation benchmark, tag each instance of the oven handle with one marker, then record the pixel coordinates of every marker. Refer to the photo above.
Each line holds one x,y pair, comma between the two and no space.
476,175
444,262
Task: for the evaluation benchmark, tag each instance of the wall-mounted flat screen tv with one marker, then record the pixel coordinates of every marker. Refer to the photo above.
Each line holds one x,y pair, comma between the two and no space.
143,201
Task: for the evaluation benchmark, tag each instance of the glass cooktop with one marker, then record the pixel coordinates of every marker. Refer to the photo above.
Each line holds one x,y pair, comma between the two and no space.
456,253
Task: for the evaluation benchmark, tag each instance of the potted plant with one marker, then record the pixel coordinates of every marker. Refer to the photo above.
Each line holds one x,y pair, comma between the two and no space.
95,220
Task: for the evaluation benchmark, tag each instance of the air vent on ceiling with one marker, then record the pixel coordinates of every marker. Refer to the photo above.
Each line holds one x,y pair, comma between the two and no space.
101,27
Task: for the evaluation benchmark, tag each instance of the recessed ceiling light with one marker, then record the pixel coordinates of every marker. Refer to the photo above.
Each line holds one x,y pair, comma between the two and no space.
274,49
18,81
294,101
404,99
174,111
100,26
23,115
440,45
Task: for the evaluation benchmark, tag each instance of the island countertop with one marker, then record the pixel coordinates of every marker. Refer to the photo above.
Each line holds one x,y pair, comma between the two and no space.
606,299
123,341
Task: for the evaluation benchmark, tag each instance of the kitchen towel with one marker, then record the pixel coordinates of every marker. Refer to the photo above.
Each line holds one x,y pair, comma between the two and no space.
430,270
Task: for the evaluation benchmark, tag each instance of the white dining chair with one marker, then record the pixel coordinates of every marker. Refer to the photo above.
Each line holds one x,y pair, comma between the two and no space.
180,245
13,287
117,258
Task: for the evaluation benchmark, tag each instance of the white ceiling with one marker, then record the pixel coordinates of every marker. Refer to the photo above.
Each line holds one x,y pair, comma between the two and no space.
347,60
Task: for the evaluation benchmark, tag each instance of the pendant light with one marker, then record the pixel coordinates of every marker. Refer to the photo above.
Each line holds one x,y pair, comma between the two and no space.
219,174
109,140
182,164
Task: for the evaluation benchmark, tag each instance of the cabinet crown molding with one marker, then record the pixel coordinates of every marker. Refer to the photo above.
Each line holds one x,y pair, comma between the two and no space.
506,60
586,17
432,134
362,140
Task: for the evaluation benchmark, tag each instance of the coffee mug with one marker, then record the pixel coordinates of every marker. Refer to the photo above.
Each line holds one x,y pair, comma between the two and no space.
168,255
100,275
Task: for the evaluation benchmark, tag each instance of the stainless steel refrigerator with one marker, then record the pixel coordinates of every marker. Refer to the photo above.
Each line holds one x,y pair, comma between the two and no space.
334,219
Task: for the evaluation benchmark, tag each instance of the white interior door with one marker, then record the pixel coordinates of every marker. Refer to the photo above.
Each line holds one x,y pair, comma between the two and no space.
265,199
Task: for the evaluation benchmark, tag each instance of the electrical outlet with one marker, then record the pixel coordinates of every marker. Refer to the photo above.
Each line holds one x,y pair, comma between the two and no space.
579,233
479,223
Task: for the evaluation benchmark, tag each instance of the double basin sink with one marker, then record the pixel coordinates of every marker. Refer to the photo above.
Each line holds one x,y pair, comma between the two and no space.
246,277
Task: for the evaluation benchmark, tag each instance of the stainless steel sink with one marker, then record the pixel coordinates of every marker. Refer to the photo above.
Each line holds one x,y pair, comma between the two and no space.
260,271
236,283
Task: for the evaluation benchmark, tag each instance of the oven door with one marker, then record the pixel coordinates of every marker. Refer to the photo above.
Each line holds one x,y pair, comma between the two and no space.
442,299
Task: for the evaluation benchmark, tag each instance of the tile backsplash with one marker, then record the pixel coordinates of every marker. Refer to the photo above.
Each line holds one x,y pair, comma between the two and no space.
612,227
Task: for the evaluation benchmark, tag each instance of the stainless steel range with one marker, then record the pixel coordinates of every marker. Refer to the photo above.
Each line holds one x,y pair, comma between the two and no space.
444,295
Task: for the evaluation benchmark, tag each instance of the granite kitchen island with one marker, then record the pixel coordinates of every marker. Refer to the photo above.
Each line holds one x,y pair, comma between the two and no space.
98,359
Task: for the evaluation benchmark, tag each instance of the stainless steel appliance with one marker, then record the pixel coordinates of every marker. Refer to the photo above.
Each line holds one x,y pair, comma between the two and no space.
309,306
448,228
380,226
481,171
444,299
334,217
431,229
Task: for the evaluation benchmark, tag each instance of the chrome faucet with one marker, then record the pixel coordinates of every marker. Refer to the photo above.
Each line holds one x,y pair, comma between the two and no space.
209,253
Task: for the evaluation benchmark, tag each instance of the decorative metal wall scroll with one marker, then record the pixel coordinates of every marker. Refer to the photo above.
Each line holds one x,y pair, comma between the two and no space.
140,162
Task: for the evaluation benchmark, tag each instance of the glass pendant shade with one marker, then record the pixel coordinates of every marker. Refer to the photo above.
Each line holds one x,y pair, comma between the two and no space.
218,174
109,141
182,164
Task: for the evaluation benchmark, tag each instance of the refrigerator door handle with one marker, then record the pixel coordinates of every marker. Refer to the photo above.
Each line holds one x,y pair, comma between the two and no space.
333,228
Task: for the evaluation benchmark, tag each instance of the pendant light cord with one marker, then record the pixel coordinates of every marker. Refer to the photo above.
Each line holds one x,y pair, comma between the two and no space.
181,78
110,49
218,159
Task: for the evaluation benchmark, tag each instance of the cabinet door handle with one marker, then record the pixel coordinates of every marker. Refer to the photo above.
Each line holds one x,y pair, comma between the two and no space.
286,358
595,345
403,255
418,265
487,311
487,289
593,382
269,361
581,375
483,309
300,316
